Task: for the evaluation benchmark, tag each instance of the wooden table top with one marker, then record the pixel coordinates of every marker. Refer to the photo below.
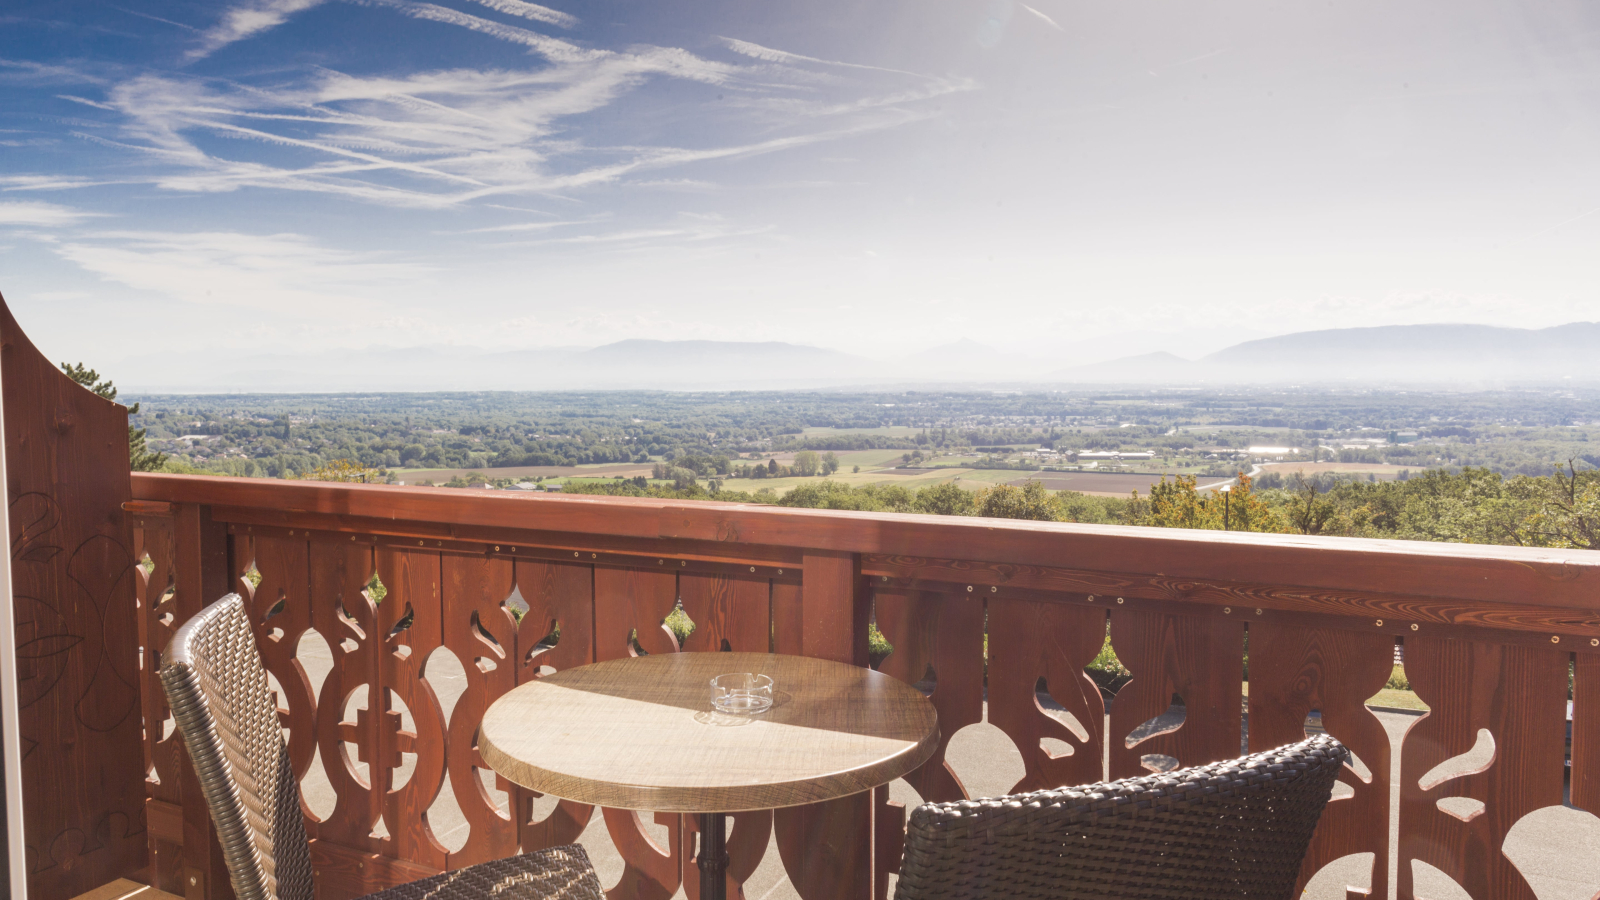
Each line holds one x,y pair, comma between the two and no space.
640,733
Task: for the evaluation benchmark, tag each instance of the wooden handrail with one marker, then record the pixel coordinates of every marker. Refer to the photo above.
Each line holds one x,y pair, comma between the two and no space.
1486,573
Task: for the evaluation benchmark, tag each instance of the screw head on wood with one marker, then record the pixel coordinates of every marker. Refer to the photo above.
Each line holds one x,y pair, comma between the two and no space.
594,556
574,553
969,588
993,589
1258,611
1555,638
752,568
1119,599
1413,626
1380,623
780,572
497,548
1594,642
683,562
1227,610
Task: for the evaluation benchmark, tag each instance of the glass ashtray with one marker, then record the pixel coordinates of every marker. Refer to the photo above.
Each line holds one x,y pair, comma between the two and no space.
741,693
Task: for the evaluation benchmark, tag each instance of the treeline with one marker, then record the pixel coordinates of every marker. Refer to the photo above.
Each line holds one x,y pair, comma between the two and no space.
1561,510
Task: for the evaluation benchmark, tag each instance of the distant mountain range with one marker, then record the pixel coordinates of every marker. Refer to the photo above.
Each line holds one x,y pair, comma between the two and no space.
1392,354
1460,355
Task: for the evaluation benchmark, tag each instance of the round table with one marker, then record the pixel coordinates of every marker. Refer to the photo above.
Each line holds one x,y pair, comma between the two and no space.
640,733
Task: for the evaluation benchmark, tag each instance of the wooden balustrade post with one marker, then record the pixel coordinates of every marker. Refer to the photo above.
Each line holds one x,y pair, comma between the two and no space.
201,570
827,847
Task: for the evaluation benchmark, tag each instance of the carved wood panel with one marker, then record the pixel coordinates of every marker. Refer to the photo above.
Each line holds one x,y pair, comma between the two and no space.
280,611
410,627
164,751
560,596
1294,670
1516,694
347,619
76,639
1586,733
1197,658
940,634
1032,640
482,633
628,600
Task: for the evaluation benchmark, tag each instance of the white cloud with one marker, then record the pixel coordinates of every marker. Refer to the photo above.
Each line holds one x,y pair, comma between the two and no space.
247,20
531,11
277,273
452,136
40,215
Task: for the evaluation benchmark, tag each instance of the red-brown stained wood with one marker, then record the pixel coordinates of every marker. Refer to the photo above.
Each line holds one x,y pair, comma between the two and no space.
280,611
731,610
1246,592
410,629
1198,659
73,579
348,620
202,573
650,871
164,753
1054,641
559,595
827,847
836,607
1586,733
1296,670
626,600
788,618
941,633
482,634
1519,695
1491,574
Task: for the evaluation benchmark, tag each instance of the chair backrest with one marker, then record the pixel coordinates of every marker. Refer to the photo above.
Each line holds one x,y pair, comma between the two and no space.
217,688
1229,830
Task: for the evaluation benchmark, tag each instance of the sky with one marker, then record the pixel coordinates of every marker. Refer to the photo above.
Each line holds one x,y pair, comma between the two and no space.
1052,178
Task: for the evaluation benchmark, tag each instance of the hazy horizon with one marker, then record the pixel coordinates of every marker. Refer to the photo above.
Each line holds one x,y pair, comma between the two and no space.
311,176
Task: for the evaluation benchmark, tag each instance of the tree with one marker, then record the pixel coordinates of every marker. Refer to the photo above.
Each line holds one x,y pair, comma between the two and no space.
830,463
140,459
350,471
1569,511
948,499
1031,501
772,468
807,463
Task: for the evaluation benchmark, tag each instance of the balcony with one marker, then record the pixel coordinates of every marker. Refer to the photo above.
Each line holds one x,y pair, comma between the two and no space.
391,617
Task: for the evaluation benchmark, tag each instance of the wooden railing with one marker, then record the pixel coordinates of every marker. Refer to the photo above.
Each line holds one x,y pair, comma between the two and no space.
1489,636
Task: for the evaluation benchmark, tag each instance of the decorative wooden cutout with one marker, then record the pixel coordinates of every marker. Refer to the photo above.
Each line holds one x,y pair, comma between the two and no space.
944,632
1519,694
564,594
1053,640
410,618
348,620
1199,658
1294,670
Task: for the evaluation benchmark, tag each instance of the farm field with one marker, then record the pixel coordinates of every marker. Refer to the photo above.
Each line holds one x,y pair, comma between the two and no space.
1119,485
1381,471
439,476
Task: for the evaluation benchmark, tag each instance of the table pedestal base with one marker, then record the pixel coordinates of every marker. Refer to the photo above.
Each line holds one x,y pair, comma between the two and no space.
713,858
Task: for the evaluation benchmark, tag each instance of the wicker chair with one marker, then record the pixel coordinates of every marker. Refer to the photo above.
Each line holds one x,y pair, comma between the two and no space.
218,691
1236,829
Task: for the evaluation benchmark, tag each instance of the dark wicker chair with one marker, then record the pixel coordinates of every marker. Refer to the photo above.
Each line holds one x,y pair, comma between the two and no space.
1227,831
218,691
